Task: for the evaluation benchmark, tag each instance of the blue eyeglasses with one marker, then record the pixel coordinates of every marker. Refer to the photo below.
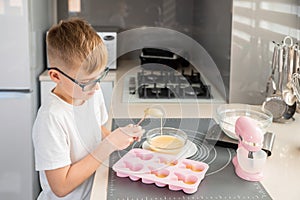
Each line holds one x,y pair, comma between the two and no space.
89,86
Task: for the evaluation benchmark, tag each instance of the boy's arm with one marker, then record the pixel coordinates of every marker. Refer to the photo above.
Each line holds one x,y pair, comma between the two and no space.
64,180
105,132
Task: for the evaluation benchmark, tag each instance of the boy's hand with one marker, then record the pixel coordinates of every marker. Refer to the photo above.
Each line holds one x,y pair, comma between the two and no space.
122,137
119,139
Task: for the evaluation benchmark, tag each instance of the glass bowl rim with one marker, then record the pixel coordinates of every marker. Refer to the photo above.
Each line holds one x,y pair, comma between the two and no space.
185,138
266,116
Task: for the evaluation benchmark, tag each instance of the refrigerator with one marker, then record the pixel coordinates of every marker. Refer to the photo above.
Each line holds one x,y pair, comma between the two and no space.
22,59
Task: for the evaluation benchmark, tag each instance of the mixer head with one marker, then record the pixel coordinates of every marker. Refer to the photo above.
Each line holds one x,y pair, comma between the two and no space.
250,135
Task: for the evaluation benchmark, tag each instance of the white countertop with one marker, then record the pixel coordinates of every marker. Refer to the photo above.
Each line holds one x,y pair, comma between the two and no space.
281,172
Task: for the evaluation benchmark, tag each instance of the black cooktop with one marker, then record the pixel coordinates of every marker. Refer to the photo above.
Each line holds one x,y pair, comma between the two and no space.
167,84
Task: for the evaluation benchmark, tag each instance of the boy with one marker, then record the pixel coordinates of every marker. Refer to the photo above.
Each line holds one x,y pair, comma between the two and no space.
69,138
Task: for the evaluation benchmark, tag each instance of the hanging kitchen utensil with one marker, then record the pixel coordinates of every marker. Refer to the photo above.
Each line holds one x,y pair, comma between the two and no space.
296,76
296,59
275,103
288,65
271,84
287,93
296,84
289,44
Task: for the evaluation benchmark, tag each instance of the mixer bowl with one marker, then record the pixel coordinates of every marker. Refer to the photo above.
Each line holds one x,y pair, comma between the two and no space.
251,165
227,114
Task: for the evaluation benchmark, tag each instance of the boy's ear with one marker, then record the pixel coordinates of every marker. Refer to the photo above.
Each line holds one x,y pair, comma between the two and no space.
54,75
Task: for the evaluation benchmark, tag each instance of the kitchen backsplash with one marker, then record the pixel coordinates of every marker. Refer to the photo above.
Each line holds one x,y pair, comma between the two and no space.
207,21
255,25
237,34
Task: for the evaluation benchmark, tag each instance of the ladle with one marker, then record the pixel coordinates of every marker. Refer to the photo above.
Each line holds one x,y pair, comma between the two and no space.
275,103
155,112
288,93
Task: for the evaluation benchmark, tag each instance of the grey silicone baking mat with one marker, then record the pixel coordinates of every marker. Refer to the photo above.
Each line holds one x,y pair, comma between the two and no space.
220,181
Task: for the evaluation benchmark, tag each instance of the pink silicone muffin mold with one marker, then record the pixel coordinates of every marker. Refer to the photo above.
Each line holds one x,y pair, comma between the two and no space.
161,170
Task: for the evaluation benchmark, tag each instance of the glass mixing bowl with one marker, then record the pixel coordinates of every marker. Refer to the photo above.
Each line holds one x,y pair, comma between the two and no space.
166,140
227,114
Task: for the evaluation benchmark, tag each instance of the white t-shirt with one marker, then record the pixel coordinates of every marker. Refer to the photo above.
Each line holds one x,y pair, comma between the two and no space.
64,134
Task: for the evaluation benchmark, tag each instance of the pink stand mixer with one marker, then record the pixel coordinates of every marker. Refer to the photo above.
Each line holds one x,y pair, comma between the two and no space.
250,158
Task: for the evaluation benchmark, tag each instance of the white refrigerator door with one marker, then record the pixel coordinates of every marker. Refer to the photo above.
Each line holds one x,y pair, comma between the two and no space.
14,49
18,180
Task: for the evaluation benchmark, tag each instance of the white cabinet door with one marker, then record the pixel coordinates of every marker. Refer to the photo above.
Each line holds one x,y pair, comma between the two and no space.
14,48
18,179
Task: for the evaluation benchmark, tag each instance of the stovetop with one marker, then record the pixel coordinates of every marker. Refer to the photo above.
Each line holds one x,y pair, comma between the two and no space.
168,84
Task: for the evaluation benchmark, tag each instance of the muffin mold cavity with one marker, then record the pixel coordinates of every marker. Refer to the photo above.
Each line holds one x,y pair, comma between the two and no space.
161,170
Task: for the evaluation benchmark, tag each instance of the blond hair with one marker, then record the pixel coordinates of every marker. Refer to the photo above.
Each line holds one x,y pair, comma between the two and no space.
73,43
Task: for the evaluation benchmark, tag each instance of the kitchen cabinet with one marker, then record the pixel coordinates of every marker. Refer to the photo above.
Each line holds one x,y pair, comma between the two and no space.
46,85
